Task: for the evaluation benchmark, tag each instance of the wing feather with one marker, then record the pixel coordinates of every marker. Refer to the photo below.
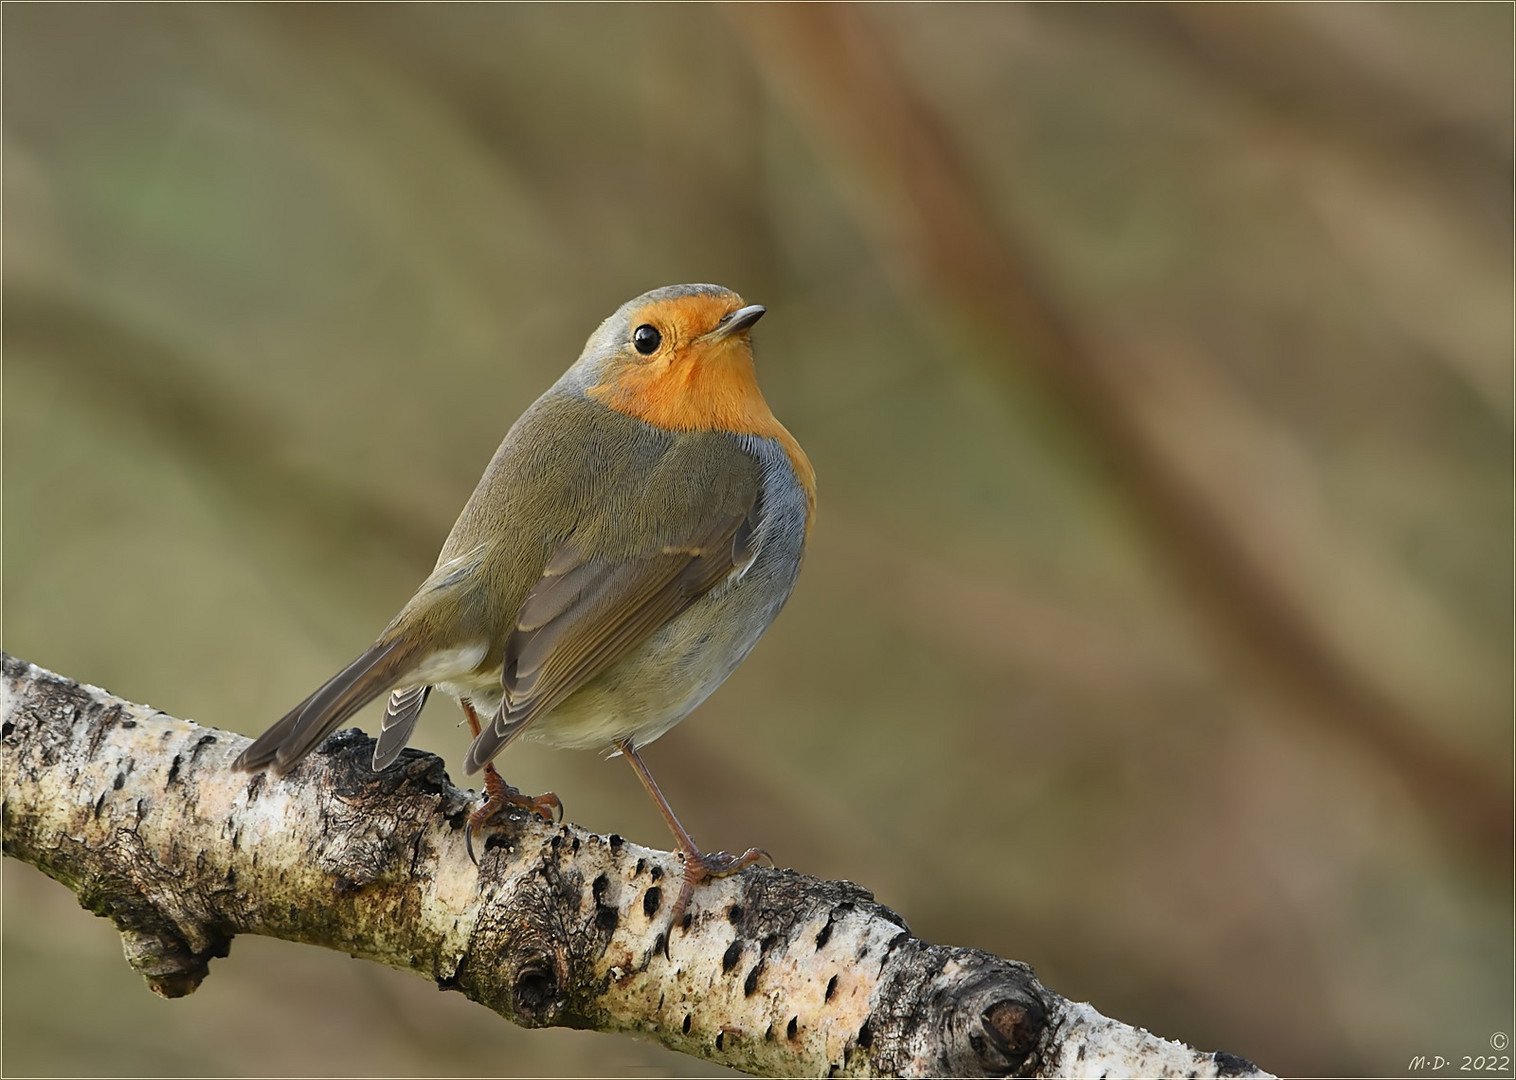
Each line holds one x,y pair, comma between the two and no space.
584,615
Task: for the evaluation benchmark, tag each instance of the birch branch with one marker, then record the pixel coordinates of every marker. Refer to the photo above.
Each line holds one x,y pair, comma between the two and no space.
770,971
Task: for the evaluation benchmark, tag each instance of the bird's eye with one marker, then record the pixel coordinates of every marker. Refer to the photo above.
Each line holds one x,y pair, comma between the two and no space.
646,338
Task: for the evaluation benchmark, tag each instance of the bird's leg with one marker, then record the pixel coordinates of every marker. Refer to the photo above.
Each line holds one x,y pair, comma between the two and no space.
698,867
546,806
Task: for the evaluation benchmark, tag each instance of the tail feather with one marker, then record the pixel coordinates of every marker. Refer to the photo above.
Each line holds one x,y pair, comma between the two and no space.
399,721
260,755
304,727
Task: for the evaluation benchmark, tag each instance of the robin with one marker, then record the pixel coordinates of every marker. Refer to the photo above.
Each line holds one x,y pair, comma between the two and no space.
630,541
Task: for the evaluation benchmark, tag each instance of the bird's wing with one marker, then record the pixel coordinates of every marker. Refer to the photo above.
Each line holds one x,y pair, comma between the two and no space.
583,615
399,721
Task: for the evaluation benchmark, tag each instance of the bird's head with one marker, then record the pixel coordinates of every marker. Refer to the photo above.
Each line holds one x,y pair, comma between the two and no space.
679,358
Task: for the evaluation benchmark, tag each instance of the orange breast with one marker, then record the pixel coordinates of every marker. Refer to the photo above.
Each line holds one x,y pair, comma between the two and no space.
704,387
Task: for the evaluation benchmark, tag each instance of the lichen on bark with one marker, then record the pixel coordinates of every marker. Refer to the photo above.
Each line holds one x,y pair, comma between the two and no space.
769,971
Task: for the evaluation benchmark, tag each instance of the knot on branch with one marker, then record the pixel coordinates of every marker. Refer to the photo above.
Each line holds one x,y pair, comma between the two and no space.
371,821
551,924
172,969
349,755
1013,1030
536,981
987,1016
160,914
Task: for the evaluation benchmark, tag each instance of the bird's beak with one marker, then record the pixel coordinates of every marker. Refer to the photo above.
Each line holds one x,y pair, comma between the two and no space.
736,322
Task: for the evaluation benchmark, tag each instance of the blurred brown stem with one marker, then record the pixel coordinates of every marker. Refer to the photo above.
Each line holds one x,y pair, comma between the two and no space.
912,193
145,381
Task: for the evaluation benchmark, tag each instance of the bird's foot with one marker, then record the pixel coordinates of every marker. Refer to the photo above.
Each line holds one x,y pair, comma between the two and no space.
547,806
717,864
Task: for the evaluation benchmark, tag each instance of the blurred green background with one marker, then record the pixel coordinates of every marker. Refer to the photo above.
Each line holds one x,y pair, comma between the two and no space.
1156,367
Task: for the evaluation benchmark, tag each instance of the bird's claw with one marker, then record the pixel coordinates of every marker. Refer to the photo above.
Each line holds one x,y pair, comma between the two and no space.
716,864
547,806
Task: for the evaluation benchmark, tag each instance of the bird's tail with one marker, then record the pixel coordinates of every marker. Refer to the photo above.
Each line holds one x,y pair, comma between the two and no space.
304,727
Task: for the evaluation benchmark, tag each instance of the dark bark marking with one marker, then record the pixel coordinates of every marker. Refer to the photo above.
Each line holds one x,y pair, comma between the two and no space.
731,956
1232,1065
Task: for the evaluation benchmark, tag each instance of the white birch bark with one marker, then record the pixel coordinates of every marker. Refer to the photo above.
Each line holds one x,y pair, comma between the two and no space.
770,971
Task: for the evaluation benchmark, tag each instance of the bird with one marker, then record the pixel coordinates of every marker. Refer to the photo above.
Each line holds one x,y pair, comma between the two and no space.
635,534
